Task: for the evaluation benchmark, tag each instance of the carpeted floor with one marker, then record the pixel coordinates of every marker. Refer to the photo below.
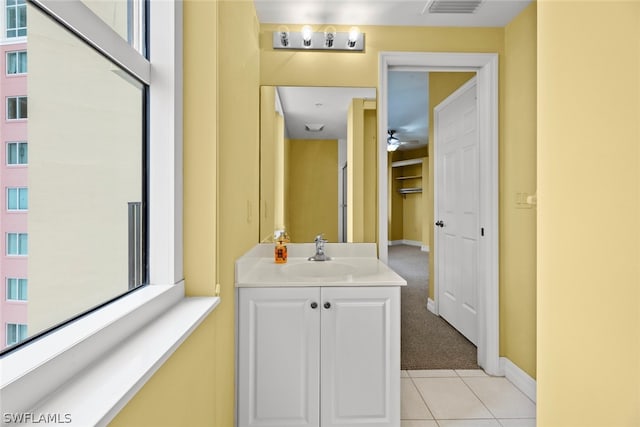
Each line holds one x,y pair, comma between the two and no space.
427,341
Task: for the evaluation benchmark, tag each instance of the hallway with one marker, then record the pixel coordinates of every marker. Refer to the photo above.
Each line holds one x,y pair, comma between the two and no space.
427,341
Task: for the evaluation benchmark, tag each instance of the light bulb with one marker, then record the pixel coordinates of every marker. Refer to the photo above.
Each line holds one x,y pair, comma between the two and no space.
283,31
354,33
329,36
307,33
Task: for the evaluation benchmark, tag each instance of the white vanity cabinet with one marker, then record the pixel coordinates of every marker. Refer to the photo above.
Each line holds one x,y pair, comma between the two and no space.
319,356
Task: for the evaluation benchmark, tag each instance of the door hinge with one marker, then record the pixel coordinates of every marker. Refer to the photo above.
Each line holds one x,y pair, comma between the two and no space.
482,231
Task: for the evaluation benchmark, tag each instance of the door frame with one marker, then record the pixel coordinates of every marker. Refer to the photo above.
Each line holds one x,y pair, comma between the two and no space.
486,67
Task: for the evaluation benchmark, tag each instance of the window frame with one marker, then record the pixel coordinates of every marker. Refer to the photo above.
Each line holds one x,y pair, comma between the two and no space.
18,144
18,245
17,54
18,282
18,109
19,327
14,9
33,372
18,191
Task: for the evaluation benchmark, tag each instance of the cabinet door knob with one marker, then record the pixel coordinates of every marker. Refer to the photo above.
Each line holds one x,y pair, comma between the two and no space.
327,305
314,305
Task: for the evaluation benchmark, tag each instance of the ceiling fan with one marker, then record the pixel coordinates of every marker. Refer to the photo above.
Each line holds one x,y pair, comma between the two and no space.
394,142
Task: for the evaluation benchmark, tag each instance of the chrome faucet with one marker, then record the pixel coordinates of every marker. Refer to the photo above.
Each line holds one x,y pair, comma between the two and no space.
320,255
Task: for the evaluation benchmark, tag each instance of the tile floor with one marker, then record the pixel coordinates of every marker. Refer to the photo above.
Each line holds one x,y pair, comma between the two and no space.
463,398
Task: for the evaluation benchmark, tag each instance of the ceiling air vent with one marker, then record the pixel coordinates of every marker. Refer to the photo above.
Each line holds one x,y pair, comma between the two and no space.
454,6
313,127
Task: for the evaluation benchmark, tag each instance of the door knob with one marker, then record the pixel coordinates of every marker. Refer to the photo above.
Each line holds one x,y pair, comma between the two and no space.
327,305
314,305
440,223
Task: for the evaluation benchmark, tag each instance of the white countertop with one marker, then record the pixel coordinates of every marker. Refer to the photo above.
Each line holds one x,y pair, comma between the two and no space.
351,264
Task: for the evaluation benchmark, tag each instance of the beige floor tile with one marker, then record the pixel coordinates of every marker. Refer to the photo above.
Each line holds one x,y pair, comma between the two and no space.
418,423
471,373
522,422
432,373
404,374
412,407
502,398
450,399
469,423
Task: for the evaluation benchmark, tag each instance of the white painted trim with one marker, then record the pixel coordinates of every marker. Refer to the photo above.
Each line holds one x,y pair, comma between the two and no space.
88,26
519,378
486,67
406,242
424,248
165,154
431,306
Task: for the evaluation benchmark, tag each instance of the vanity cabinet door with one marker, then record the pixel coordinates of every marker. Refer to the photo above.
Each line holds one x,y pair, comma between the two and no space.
279,357
360,349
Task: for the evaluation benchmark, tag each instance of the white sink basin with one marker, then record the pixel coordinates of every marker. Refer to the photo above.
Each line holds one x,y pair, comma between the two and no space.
319,269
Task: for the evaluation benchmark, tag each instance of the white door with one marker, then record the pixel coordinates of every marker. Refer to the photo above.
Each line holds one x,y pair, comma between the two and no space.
360,356
279,357
457,207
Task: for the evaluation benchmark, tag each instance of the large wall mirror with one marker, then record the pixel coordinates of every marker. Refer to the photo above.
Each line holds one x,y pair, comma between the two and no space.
307,183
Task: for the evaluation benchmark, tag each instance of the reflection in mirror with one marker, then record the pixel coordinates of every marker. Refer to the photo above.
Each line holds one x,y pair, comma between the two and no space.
307,135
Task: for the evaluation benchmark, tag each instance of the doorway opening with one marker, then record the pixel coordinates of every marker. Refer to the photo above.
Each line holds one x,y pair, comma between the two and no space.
486,266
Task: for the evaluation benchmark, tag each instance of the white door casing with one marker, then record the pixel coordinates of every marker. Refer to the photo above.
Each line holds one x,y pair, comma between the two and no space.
456,207
486,67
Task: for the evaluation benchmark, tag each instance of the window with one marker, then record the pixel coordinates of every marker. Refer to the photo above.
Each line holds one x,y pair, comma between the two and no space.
16,289
17,198
17,153
16,332
17,243
17,62
16,18
16,107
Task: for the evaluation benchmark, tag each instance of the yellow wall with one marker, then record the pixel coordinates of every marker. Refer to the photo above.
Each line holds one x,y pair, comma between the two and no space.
313,189
518,176
195,387
517,280
588,231
370,184
441,85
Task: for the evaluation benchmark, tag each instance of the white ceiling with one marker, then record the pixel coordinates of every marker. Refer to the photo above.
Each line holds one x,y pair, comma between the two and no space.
490,13
319,105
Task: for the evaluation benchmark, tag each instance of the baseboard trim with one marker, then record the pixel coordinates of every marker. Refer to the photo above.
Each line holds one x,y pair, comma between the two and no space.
519,378
405,242
431,306
424,248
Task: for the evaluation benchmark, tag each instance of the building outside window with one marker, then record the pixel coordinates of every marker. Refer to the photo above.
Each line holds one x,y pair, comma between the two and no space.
17,198
16,332
17,62
16,107
16,289
17,153
16,11
17,243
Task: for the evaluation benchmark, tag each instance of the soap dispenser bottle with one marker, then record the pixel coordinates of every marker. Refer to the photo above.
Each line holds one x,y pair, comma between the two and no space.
282,239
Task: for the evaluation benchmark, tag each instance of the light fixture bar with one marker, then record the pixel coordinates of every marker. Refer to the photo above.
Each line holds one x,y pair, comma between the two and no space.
341,41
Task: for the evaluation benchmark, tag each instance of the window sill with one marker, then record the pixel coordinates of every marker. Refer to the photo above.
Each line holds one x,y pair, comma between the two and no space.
91,368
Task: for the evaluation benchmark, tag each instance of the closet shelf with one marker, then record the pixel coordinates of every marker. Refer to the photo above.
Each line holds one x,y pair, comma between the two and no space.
409,177
410,190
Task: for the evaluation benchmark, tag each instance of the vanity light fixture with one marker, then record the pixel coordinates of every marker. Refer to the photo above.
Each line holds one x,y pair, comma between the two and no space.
327,39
